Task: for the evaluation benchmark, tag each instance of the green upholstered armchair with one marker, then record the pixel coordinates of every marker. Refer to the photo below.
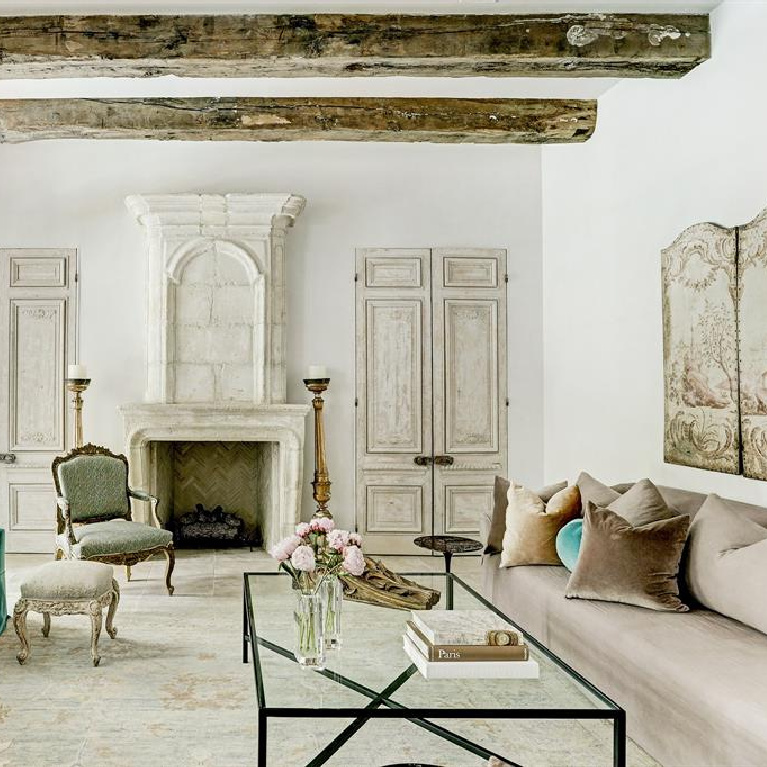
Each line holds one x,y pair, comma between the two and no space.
94,512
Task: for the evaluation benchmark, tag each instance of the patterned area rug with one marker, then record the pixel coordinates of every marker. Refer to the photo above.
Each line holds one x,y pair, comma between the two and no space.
172,691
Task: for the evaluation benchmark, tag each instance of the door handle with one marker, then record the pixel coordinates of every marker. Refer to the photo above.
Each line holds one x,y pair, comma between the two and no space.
423,460
444,460
7,458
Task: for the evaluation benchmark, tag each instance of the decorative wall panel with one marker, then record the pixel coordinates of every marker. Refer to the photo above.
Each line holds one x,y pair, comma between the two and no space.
715,348
752,321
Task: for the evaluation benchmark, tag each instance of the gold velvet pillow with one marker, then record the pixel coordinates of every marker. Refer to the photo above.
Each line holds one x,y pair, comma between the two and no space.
500,505
635,565
532,525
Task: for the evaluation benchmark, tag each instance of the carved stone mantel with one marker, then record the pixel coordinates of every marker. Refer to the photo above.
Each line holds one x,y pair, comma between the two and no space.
279,424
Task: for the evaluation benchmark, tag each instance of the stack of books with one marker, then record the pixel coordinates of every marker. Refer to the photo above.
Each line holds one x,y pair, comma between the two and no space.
467,644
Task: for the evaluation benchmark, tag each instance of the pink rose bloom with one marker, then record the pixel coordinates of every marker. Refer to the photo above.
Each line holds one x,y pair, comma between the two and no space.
355,539
337,539
303,529
326,525
303,559
354,561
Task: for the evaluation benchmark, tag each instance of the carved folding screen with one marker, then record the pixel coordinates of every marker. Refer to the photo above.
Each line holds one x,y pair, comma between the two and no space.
715,348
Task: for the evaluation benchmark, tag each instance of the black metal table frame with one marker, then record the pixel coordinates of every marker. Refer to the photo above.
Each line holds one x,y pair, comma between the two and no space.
381,706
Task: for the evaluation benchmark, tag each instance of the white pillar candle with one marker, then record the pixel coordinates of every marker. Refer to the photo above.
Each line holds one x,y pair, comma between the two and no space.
317,371
77,371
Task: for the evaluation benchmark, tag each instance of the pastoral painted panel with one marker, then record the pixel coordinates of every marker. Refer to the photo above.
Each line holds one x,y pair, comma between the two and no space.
700,349
752,321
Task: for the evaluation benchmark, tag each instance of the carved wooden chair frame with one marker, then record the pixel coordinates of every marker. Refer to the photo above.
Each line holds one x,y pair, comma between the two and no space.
64,524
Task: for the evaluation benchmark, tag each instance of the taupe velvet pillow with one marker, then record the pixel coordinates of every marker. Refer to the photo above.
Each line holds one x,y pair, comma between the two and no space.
532,526
594,491
635,565
727,563
641,504
500,505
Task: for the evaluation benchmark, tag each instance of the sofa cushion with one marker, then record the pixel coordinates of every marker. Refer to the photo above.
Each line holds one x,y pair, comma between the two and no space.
594,491
635,565
568,543
532,525
692,683
68,580
494,540
95,486
117,536
641,504
727,563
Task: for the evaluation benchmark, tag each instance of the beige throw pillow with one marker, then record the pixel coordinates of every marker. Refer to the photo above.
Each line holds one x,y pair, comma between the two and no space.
501,503
641,504
594,491
532,525
622,563
727,563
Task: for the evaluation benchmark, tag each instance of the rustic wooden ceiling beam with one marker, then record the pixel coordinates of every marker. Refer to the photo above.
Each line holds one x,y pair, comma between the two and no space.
486,121
611,45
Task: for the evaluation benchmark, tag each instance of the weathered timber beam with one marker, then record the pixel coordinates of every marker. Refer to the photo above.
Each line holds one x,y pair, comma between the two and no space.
484,121
613,45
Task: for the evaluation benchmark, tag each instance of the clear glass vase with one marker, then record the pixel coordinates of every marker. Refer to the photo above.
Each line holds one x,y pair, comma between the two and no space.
310,646
332,590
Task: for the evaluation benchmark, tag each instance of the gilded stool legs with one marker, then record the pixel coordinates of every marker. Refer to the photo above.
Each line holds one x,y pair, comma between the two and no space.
111,630
92,607
20,627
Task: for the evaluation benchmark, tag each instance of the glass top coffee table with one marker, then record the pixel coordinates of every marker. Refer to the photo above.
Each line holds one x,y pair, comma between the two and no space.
371,707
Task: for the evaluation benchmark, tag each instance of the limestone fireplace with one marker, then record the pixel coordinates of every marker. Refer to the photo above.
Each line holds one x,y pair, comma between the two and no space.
216,381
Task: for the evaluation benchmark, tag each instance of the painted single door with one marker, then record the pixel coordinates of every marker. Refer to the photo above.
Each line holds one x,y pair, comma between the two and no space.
431,392
394,421
469,385
38,316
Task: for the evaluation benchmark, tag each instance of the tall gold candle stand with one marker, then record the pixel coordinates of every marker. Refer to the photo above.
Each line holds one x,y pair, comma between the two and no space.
77,386
321,483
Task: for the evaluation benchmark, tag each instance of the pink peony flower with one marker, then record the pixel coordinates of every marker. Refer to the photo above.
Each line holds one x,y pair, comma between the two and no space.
337,539
355,539
281,551
303,529
314,525
303,559
326,525
354,561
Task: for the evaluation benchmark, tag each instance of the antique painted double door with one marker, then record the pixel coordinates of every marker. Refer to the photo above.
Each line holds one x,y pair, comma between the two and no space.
431,392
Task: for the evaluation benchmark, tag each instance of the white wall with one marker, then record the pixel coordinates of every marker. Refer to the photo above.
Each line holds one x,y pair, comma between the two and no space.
70,194
665,155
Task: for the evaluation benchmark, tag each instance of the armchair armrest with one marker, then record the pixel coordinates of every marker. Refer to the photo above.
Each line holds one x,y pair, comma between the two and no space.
152,500
140,495
63,505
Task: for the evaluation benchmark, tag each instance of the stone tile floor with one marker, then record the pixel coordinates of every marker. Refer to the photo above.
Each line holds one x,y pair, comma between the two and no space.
172,690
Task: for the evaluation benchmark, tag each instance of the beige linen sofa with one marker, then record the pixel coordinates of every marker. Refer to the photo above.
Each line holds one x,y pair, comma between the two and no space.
694,684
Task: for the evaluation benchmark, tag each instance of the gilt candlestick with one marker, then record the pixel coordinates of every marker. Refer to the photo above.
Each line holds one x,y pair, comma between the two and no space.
77,386
321,483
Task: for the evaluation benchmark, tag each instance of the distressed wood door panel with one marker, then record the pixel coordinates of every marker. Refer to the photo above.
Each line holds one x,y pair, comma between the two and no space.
394,421
470,386
37,330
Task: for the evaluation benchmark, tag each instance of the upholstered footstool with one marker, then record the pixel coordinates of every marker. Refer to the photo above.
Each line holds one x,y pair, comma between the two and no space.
68,588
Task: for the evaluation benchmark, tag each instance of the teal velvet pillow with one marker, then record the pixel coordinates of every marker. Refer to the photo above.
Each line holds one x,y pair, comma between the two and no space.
568,543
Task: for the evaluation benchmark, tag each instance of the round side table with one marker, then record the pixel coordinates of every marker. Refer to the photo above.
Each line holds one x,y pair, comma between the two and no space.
448,545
